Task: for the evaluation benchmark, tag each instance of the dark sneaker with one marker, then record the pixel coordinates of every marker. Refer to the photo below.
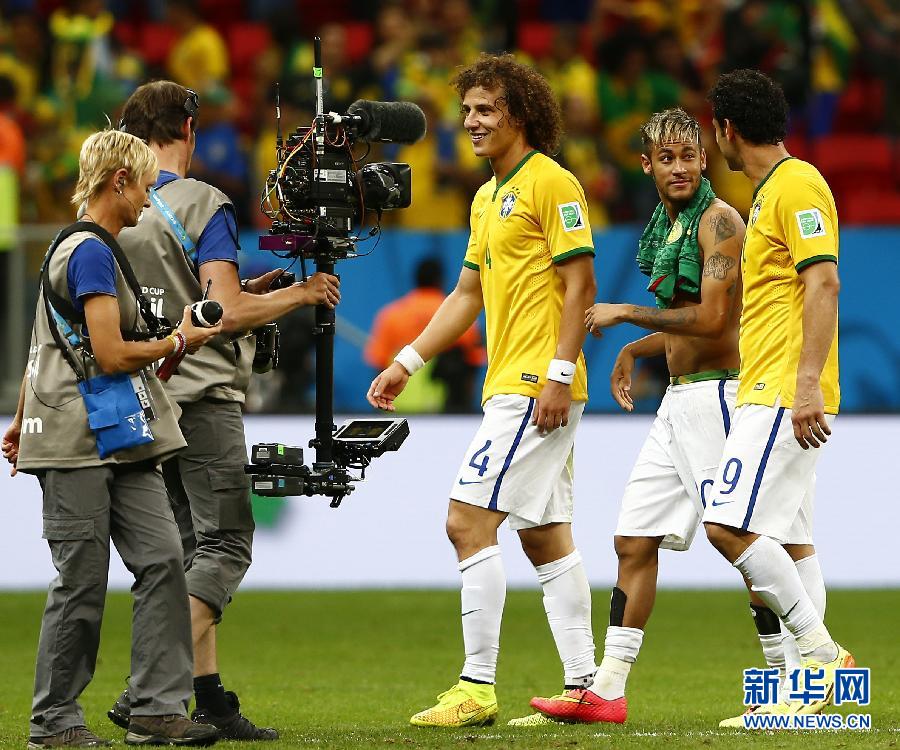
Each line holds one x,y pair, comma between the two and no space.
72,737
171,729
234,726
120,713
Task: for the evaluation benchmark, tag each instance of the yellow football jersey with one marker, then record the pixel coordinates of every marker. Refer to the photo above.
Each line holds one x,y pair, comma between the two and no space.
793,224
535,217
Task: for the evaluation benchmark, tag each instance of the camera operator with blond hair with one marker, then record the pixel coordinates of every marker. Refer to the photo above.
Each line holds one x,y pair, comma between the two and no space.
93,424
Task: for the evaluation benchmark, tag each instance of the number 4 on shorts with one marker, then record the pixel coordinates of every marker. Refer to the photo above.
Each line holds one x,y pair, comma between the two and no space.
482,467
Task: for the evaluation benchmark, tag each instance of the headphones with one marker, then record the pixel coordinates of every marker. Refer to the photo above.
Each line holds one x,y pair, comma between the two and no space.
191,107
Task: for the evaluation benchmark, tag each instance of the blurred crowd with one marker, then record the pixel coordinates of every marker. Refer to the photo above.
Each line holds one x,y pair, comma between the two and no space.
65,67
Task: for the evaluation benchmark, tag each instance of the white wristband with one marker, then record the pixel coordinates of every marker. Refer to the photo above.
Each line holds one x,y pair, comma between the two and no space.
410,359
561,370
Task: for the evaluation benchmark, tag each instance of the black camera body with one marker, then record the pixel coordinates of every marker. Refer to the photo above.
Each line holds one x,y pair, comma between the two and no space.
323,194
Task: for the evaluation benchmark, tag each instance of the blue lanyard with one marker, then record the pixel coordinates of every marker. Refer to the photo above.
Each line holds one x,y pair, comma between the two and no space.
187,244
71,336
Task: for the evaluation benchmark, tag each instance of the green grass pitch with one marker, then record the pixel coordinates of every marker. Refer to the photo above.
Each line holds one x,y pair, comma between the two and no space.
346,669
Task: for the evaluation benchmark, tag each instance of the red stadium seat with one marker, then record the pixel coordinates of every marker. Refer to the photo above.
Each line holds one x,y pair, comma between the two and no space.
126,34
245,42
359,41
535,38
870,207
861,106
156,39
854,160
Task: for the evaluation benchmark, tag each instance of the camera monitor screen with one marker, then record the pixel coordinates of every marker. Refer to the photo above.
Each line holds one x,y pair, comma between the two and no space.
362,428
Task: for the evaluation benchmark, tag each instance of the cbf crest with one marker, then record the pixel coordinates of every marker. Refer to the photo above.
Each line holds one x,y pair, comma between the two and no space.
675,232
754,213
507,203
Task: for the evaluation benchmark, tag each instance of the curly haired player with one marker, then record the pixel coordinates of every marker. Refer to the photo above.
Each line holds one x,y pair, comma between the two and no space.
529,264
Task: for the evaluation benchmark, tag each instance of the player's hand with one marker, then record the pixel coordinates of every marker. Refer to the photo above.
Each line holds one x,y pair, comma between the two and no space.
261,284
196,336
552,407
320,289
600,316
387,386
620,379
10,445
808,415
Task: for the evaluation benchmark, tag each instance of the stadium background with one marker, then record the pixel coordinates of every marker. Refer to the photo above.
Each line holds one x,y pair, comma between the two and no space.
64,66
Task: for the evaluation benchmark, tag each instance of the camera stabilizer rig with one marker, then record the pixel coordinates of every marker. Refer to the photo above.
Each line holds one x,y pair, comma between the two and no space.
322,190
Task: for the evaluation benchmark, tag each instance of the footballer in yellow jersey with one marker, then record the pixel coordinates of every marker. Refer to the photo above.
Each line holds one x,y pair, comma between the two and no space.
534,218
529,265
757,513
793,224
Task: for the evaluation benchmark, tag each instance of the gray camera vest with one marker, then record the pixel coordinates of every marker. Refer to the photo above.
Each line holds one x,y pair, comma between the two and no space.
55,432
221,369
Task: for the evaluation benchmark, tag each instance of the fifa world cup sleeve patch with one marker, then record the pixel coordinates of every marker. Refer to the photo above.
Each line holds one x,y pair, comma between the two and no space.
571,216
810,222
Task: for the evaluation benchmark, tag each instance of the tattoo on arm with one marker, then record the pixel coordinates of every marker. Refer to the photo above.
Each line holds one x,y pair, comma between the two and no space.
662,320
723,225
718,265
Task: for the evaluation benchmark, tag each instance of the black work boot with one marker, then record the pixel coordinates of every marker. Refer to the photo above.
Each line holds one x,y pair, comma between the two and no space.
120,713
234,726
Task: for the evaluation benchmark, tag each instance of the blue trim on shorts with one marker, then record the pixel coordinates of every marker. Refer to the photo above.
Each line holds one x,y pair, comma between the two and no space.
492,505
762,467
725,418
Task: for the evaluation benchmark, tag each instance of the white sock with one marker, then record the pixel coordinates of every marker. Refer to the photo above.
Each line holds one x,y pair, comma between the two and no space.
792,660
766,620
567,602
483,596
773,650
774,577
811,577
620,652
813,581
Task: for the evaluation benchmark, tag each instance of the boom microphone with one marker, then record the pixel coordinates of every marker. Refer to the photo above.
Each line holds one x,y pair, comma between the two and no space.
396,122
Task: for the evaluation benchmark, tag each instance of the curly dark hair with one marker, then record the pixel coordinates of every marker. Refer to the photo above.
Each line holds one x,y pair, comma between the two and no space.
753,103
529,99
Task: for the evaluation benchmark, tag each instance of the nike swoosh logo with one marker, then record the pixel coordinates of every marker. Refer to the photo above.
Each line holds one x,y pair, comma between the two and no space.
477,481
463,715
567,374
716,505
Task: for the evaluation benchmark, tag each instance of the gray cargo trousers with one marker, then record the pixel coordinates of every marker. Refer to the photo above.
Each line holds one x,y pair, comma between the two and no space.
83,510
210,496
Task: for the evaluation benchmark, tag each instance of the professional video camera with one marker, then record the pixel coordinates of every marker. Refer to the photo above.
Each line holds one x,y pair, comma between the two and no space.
321,191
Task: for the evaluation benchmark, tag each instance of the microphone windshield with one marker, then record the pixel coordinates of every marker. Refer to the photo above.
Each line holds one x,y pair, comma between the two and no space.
206,314
396,122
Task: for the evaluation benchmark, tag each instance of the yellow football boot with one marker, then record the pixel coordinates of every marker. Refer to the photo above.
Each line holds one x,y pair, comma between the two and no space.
466,704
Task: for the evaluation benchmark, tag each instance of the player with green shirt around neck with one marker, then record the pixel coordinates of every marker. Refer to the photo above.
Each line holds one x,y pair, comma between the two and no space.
529,265
691,252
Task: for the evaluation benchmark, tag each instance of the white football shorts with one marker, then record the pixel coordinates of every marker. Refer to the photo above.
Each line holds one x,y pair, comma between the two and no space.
511,467
677,464
765,480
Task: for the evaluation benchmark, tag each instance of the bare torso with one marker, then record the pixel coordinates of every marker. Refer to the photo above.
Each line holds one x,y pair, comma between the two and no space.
689,354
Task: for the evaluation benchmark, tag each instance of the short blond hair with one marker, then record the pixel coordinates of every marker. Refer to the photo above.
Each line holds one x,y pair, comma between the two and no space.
103,153
670,126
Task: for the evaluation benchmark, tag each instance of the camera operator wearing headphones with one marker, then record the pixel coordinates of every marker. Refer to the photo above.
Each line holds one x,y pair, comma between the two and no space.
93,423
187,244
